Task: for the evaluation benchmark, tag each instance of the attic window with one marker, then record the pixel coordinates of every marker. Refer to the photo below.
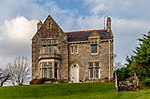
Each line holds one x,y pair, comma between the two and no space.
94,45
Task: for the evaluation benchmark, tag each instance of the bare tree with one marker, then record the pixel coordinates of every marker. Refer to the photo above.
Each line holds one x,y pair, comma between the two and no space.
19,70
4,76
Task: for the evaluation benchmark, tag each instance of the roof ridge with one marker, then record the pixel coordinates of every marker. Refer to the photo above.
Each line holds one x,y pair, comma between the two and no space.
75,32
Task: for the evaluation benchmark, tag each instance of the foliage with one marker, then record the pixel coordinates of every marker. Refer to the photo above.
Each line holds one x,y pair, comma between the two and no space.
122,73
140,62
19,70
146,81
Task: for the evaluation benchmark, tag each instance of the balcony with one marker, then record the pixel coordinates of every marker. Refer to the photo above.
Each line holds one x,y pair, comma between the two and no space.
49,56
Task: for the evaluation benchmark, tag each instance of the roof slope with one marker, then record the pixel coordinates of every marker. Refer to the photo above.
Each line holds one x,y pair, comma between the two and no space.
83,35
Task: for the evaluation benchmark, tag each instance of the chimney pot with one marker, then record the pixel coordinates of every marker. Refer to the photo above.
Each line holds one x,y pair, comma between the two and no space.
108,24
39,24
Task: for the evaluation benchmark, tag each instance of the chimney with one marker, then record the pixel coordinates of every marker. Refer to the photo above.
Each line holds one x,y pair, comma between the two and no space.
39,25
108,24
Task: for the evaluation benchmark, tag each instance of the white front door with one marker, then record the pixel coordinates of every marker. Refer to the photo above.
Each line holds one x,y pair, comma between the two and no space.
74,73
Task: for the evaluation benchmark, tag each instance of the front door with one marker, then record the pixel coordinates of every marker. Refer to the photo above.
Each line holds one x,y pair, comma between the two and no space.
74,73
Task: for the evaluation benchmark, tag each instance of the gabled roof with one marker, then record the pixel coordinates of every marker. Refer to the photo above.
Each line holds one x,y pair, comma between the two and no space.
83,35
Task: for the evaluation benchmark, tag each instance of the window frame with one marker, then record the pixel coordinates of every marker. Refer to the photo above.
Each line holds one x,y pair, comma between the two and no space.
76,49
94,43
73,49
49,46
94,67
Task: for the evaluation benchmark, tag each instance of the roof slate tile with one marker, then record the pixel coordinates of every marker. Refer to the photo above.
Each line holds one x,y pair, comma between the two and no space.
83,35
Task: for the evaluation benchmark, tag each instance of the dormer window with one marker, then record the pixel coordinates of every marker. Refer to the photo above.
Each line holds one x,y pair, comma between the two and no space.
94,45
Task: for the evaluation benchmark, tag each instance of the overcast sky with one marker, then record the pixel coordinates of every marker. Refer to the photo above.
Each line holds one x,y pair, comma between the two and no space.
130,19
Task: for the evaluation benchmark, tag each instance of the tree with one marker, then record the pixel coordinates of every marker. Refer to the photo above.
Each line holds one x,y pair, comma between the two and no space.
4,76
140,62
19,70
122,73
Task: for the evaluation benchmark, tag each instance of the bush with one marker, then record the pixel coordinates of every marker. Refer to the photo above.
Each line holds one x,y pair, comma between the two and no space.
146,81
37,81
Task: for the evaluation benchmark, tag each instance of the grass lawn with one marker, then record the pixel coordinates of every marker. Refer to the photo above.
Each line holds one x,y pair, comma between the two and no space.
70,91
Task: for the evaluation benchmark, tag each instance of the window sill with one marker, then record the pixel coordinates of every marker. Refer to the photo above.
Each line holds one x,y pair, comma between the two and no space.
94,53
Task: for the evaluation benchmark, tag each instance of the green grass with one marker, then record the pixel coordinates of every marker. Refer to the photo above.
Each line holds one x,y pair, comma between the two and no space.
70,91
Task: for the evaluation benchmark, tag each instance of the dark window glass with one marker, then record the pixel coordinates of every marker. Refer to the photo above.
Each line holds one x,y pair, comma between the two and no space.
94,48
90,73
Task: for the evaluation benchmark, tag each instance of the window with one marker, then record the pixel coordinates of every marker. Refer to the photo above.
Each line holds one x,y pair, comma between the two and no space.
91,76
50,49
49,46
49,72
76,49
56,71
47,69
55,50
44,64
94,70
94,45
43,49
73,49
44,72
49,64
43,42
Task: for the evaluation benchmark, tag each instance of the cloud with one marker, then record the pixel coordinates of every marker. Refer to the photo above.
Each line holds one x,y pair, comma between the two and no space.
129,9
16,38
18,22
18,25
19,29
126,32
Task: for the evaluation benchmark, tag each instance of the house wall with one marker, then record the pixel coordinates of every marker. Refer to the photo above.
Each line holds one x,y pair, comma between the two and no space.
84,56
50,29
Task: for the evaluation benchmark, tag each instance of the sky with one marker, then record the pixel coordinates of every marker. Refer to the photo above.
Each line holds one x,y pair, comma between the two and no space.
18,19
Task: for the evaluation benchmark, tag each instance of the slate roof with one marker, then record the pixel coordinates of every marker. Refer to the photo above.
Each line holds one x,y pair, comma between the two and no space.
83,35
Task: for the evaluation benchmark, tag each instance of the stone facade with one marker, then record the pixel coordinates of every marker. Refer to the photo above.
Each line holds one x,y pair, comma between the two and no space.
74,56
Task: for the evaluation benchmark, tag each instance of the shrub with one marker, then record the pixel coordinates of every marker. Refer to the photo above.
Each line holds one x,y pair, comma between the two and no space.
63,81
146,81
37,81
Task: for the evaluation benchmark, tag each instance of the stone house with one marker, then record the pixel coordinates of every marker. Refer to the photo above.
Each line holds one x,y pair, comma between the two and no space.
85,55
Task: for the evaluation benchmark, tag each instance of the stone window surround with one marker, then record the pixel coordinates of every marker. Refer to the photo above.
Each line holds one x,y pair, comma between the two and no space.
94,41
74,49
52,67
47,44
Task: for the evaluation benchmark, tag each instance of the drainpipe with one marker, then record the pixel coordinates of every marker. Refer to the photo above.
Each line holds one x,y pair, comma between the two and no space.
109,59
68,62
